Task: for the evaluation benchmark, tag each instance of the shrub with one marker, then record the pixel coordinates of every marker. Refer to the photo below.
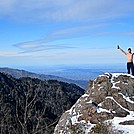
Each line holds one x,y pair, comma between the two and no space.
104,128
76,129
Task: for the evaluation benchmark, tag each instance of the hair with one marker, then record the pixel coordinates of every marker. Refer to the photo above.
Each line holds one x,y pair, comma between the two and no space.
129,49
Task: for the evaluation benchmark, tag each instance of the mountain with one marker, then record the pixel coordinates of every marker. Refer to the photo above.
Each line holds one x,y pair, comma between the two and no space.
33,106
107,107
16,73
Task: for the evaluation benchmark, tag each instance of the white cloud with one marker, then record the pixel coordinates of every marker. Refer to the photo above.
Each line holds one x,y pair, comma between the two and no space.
129,33
59,10
7,53
10,54
71,56
28,47
7,6
42,44
53,41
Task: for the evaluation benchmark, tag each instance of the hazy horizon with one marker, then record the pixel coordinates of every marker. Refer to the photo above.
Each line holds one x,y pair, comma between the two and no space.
76,72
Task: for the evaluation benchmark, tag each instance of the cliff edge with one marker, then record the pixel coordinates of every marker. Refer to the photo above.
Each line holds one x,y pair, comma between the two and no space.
108,98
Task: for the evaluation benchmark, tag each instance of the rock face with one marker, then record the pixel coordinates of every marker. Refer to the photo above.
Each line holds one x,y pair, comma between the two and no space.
108,97
33,106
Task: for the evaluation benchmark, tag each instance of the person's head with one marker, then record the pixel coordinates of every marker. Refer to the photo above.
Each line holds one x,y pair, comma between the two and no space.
129,50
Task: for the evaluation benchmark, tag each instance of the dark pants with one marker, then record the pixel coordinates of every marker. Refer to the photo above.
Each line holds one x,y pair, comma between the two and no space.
130,67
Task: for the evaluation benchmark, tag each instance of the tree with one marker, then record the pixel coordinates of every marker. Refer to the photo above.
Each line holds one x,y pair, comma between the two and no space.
24,108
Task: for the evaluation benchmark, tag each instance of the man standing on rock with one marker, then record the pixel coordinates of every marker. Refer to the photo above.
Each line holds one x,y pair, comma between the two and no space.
129,55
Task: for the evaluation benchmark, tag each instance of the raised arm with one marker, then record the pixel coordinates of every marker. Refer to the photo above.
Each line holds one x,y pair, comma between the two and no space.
122,50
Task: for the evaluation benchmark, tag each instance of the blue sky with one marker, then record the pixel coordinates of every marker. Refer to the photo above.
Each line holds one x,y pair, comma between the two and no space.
52,32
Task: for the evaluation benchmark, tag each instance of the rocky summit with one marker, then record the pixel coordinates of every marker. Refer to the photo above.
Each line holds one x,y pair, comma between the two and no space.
108,102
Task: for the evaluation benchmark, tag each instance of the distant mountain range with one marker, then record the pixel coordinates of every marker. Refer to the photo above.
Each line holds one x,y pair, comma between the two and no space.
16,73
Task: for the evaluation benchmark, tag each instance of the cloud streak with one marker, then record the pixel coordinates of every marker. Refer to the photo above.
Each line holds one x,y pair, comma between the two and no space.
28,47
59,10
48,43
82,56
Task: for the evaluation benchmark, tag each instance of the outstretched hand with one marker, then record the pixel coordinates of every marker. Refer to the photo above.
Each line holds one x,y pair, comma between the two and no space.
118,47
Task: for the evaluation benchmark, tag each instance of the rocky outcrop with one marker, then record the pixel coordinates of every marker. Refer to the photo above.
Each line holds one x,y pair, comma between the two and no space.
108,97
33,106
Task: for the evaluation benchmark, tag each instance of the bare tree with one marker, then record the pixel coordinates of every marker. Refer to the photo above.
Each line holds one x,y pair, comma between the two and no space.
32,114
24,112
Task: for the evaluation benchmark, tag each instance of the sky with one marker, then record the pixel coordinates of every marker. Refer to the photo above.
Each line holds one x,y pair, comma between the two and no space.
69,32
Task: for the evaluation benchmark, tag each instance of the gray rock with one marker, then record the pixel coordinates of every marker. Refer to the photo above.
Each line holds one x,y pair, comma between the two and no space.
112,95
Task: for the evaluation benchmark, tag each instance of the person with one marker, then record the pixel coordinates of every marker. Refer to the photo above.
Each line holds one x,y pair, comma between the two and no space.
129,56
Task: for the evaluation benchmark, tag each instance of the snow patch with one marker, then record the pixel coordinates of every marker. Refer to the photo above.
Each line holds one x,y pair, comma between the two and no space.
110,97
99,110
127,98
117,74
126,129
